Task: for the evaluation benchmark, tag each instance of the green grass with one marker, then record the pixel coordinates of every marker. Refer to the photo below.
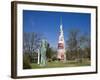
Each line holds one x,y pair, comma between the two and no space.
55,64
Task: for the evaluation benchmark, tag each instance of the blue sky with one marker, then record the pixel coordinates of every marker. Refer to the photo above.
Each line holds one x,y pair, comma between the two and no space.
48,23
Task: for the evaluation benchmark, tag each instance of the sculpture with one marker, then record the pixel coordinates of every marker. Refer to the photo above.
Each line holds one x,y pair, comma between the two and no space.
61,46
43,48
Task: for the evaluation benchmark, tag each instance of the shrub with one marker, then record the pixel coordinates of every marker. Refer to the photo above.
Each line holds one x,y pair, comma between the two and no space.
26,61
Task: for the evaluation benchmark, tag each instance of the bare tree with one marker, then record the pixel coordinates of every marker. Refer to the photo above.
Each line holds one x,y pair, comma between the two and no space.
78,45
31,42
72,43
85,45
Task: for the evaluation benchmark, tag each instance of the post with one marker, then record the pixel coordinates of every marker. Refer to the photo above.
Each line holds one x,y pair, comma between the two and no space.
38,56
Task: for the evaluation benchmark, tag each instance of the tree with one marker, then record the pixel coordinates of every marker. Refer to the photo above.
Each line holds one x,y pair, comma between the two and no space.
72,44
78,45
85,45
48,52
31,42
51,53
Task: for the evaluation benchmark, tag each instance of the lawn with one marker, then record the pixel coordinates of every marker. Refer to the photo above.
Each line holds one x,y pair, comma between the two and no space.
55,64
